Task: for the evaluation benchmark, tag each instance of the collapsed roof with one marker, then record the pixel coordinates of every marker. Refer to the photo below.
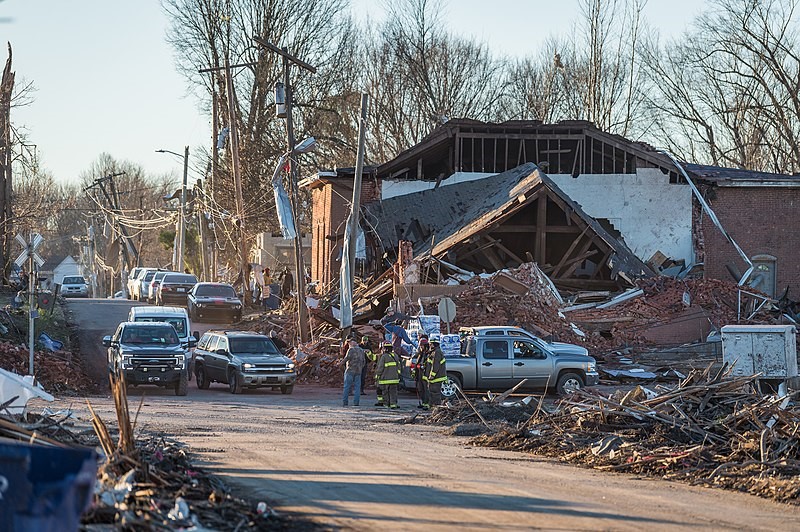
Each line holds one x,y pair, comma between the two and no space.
503,221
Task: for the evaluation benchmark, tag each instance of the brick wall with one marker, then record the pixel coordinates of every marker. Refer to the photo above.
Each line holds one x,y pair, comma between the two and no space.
763,221
330,208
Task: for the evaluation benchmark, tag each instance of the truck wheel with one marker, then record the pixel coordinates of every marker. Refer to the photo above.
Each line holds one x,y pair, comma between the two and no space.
182,386
449,386
202,378
287,389
234,382
568,383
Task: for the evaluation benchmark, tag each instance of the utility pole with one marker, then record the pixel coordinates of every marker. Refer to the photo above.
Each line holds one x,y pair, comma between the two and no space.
128,250
182,231
237,178
214,168
353,222
355,217
201,229
300,273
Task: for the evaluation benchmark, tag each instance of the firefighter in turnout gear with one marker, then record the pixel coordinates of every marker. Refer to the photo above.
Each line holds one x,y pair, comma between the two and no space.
435,373
388,375
418,370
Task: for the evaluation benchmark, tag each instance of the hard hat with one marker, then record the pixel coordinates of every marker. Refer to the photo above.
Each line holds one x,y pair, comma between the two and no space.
423,340
435,339
387,344
365,338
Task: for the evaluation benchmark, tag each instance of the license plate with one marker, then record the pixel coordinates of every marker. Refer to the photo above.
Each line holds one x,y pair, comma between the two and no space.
181,290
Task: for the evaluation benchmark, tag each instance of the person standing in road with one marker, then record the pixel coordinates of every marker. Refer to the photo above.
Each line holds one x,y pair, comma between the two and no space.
354,362
387,374
435,373
368,357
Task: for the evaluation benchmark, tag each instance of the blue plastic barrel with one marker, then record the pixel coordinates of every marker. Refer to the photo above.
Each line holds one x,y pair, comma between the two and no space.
44,488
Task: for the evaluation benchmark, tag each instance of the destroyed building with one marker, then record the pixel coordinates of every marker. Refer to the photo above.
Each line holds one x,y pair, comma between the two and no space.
592,209
761,212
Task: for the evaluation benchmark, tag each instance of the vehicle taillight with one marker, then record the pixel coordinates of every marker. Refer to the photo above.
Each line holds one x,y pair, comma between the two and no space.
166,289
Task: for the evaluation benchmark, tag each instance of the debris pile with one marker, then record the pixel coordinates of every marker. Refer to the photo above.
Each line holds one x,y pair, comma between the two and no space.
659,301
712,430
150,483
319,362
59,372
531,302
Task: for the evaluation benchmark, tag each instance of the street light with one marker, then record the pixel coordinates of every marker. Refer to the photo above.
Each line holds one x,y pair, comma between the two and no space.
179,248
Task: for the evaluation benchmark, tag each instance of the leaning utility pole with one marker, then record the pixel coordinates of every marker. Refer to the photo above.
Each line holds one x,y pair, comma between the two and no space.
237,178
300,273
351,238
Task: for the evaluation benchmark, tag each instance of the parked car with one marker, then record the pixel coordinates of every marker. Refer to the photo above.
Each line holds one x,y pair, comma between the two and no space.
132,280
242,359
155,282
214,300
149,353
142,283
174,288
498,358
74,286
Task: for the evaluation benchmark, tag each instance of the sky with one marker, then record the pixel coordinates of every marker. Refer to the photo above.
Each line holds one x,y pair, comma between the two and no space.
106,81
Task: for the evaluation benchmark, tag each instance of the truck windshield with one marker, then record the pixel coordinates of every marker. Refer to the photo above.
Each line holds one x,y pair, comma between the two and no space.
259,346
74,280
177,322
150,335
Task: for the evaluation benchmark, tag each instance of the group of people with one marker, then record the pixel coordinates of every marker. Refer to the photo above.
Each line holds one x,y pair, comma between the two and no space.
428,367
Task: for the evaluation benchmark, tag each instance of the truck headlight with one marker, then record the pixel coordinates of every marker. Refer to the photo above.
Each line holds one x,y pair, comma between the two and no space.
290,366
180,360
126,362
237,307
248,366
591,367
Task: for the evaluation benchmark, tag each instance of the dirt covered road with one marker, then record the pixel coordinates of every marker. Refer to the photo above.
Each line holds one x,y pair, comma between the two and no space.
356,468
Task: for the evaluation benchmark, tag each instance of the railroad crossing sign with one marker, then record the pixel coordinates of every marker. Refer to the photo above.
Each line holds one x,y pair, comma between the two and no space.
29,249
29,254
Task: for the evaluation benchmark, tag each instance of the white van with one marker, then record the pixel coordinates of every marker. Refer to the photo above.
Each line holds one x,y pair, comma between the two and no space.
175,316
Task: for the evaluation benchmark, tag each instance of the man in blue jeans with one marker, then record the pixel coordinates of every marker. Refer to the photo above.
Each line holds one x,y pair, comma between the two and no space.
353,364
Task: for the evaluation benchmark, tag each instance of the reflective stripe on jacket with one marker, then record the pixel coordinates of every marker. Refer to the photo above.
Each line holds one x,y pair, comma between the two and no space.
435,367
388,371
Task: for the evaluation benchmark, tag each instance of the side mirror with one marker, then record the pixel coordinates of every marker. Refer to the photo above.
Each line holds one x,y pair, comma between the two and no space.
106,341
223,352
196,335
192,342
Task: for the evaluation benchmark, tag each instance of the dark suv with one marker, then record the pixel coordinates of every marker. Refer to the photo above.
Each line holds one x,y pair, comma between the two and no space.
149,353
242,359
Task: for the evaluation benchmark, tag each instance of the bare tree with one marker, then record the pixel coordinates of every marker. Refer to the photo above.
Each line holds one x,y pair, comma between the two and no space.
728,91
419,75
206,32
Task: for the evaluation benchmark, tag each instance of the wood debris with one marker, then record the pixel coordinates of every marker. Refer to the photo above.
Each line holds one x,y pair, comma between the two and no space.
710,430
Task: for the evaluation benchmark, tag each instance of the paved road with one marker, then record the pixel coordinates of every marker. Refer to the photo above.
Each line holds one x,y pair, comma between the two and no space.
354,468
